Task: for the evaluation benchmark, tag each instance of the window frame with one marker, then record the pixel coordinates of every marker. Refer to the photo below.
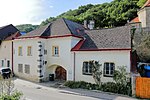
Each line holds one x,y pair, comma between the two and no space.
27,71
8,63
29,51
55,51
110,70
20,53
20,70
2,63
86,71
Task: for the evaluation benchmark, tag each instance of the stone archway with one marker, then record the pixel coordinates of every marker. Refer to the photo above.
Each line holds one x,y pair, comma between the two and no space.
60,73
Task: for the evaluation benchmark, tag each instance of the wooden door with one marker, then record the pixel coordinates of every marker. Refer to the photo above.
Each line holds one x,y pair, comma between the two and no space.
60,73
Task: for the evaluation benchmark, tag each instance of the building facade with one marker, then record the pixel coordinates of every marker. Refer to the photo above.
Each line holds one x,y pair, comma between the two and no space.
64,48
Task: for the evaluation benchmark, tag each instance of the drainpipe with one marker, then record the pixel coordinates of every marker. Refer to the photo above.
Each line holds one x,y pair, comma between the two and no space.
74,60
12,55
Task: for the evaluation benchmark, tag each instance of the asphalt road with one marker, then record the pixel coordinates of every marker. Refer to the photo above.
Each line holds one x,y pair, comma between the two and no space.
32,91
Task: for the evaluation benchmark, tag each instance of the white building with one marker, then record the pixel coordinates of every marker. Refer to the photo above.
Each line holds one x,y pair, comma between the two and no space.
64,48
7,34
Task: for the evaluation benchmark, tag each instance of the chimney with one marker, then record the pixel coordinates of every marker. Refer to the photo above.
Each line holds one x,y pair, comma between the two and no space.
85,24
91,24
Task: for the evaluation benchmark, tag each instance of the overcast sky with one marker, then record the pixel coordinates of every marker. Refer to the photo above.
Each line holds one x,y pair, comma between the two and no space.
35,11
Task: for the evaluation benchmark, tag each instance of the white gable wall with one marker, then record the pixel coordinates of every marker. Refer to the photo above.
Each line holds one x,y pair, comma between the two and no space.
119,58
6,53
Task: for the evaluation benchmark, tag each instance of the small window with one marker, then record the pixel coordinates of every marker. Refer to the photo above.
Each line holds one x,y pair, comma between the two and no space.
29,51
109,69
87,69
27,69
55,51
19,51
8,63
20,68
45,52
2,63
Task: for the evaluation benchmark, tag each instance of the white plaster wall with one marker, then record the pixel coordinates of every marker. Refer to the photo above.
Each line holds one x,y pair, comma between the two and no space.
142,17
6,53
120,58
74,41
64,58
30,60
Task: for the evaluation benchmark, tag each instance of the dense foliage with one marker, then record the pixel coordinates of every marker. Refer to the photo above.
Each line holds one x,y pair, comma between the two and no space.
115,13
143,49
26,27
121,84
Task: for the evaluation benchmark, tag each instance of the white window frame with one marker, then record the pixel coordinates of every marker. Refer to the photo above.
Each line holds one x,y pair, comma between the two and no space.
27,71
20,70
109,74
86,69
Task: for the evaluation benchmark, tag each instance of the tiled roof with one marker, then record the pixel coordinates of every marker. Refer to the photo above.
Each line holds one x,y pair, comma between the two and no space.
135,20
13,36
63,26
7,31
59,27
37,32
147,4
114,38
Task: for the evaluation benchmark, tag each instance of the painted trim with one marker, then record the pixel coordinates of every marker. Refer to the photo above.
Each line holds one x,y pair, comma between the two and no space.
113,49
12,55
74,64
46,37
78,45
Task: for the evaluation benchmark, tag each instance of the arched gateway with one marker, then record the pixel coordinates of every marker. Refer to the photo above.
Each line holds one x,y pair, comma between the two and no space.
60,73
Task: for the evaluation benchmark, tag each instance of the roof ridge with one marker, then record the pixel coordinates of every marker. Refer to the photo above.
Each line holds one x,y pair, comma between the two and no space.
6,26
108,28
66,25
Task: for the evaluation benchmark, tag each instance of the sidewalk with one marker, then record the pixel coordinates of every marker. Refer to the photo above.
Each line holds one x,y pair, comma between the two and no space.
81,92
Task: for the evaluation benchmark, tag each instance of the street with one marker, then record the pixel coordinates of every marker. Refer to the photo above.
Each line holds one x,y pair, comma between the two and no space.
33,91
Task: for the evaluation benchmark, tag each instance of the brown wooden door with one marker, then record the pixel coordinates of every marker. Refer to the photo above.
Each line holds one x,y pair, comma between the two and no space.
60,73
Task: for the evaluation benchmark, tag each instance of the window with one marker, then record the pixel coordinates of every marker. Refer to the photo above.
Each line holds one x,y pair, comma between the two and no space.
2,63
27,69
45,52
87,69
55,51
20,68
29,51
109,69
19,51
8,63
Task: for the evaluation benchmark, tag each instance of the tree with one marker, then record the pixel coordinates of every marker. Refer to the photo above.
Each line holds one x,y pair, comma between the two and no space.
140,3
96,71
7,91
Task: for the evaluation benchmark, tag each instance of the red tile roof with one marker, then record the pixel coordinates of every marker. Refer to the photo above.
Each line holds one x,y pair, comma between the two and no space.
147,4
135,20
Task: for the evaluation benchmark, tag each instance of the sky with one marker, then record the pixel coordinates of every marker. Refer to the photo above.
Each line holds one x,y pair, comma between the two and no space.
18,12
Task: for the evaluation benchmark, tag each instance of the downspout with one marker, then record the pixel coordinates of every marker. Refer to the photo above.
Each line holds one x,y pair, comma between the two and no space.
74,60
12,55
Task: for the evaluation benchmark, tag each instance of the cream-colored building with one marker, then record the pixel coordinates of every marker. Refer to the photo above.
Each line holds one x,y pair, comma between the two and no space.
64,48
143,18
